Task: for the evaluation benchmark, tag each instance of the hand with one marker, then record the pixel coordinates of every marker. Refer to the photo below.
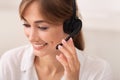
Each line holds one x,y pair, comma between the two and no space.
68,58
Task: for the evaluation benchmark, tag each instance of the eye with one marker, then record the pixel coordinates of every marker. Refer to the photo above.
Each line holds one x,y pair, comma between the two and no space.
26,25
43,28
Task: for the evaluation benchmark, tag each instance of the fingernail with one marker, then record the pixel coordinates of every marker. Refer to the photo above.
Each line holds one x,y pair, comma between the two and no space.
59,47
63,41
71,39
57,57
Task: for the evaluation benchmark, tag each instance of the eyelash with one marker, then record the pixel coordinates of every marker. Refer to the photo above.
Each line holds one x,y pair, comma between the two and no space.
26,25
41,28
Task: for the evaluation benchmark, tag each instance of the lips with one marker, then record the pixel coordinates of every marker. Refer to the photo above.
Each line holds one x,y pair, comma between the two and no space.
39,46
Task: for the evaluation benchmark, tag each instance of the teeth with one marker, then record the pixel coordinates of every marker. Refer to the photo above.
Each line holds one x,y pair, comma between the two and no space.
40,45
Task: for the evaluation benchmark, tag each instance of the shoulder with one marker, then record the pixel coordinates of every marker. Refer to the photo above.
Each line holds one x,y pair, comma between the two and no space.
11,61
94,66
99,68
95,63
14,53
92,61
13,56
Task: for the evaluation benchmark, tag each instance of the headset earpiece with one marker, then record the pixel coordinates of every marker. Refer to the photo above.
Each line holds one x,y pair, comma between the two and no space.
76,27
67,26
72,26
71,29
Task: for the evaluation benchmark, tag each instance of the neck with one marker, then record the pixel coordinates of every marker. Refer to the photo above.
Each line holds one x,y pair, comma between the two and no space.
49,63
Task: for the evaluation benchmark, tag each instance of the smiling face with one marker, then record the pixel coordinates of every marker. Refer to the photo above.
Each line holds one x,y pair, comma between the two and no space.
42,35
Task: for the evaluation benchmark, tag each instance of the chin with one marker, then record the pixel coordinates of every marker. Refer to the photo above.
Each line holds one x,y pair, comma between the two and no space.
40,54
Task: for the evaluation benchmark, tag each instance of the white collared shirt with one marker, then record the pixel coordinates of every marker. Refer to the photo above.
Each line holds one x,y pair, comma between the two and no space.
18,64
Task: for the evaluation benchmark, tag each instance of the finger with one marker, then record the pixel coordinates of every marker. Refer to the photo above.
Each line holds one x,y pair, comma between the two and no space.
70,46
65,52
69,57
70,42
63,61
67,46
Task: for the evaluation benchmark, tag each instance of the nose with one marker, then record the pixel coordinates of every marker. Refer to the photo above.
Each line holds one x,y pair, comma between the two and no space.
33,36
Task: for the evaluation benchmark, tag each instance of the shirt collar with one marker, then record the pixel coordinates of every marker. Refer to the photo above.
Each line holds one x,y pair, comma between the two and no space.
28,58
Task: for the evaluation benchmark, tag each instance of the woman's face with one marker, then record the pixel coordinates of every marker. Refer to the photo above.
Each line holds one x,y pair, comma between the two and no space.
43,36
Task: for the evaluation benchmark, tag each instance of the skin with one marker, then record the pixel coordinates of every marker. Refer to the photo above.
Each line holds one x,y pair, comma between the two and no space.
44,37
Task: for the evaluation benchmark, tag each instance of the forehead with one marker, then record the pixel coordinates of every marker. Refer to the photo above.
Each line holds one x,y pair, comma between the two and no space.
32,12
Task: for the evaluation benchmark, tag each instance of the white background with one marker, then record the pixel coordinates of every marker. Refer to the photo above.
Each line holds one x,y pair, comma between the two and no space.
101,29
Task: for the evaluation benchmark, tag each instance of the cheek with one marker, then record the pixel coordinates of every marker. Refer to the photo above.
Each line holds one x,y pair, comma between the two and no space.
49,37
26,32
56,36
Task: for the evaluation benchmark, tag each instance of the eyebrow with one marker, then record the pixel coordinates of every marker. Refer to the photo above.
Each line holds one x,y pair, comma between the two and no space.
37,21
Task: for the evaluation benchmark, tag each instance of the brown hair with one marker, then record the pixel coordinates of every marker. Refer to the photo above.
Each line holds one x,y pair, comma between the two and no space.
56,12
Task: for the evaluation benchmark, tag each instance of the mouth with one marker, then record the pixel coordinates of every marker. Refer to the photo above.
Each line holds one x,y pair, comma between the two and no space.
39,46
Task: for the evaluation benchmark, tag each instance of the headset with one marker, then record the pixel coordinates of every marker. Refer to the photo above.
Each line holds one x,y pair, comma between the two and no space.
72,26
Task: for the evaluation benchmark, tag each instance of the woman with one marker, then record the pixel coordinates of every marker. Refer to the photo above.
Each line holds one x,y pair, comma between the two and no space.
44,28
